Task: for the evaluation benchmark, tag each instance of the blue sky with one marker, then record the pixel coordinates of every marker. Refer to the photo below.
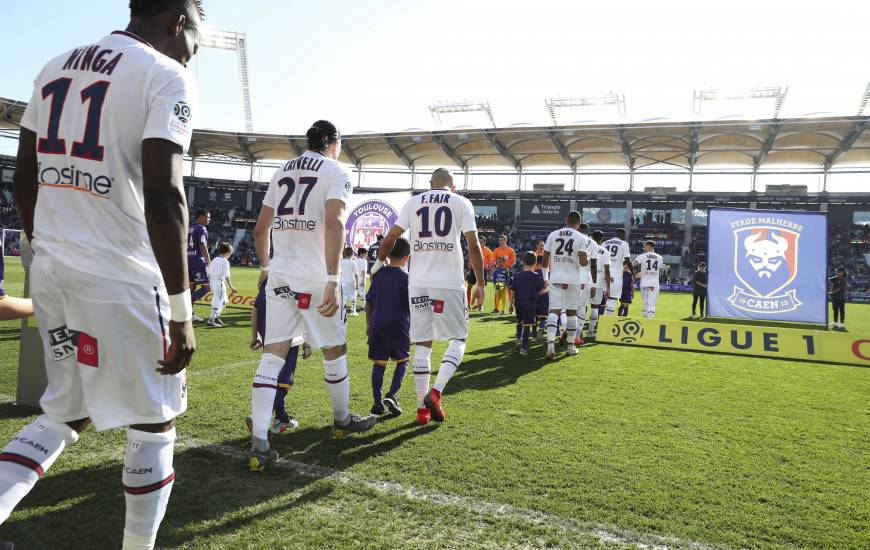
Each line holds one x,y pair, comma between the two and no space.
377,64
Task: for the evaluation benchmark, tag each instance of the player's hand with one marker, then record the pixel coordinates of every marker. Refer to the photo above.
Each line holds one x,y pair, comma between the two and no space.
306,351
256,343
478,296
331,301
592,291
181,348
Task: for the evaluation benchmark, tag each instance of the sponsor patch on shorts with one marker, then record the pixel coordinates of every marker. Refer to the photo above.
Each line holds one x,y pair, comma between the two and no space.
60,340
438,306
88,352
303,301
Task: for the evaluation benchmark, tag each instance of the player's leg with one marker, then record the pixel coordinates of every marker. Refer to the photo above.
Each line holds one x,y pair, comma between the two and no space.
450,315
379,368
594,312
610,304
28,455
644,301
653,298
422,333
585,298
571,330
216,301
557,296
401,354
703,303
286,378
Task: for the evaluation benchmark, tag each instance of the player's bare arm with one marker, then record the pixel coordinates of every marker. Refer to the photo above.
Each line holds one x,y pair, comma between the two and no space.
606,276
25,182
583,259
334,226
256,342
203,251
166,219
475,258
262,238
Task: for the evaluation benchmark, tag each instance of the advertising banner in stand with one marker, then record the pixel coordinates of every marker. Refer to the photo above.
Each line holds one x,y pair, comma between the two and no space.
755,340
768,265
370,215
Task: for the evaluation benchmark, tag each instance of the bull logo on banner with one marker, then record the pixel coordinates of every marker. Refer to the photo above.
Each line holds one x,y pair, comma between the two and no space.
765,264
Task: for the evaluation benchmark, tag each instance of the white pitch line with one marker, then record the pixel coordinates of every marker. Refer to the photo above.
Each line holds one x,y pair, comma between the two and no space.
604,533
222,368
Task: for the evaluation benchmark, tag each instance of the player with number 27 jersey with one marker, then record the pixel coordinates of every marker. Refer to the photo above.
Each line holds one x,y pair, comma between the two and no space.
298,194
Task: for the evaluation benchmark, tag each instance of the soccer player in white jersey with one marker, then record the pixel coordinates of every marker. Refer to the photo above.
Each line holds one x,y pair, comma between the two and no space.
349,280
648,266
362,269
302,218
99,190
591,285
565,257
619,251
435,221
603,276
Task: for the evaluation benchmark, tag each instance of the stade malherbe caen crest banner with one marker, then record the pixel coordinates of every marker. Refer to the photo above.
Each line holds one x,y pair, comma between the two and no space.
767,265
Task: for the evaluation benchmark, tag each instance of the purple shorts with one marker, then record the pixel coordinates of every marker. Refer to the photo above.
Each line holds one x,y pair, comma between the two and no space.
196,270
386,345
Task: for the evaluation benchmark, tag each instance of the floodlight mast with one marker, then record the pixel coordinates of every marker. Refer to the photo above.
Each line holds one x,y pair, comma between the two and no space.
777,93
465,106
617,100
865,98
237,42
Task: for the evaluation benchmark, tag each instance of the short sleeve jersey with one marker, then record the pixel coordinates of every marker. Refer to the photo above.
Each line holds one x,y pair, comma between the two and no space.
436,221
348,272
91,109
603,260
564,246
618,251
526,286
298,193
388,295
592,253
362,266
219,268
197,235
650,267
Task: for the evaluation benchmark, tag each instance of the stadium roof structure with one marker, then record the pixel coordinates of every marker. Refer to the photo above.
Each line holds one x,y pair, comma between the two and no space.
752,145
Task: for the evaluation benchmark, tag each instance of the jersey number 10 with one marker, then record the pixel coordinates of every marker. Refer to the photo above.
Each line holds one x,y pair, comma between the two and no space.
89,147
443,221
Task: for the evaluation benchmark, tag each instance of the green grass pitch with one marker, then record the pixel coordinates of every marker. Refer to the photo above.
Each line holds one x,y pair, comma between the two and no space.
615,447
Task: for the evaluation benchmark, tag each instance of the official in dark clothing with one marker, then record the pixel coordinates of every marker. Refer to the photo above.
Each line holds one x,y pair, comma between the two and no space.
839,287
699,290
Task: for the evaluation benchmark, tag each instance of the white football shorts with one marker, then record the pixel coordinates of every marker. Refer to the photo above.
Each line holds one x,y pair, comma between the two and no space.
438,314
102,340
347,293
219,296
291,311
650,295
565,297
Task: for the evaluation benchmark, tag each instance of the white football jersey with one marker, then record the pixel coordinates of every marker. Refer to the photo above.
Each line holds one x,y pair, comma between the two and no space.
436,221
619,251
298,194
349,272
219,268
603,260
564,246
592,253
651,265
362,266
91,108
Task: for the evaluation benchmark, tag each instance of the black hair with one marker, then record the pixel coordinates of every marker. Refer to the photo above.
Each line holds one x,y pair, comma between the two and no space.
649,243
361,250
347,252
597,235
620,230
379,238
321,135
401,249
151,8
626,263
841,269
529,258
503,237
583,227
573,217
200,213
225,248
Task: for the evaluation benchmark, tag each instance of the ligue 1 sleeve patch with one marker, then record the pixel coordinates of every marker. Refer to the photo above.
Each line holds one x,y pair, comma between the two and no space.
88,352
303,301
438,306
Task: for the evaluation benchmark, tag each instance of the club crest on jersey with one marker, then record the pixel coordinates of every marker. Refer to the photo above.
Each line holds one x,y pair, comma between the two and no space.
367,221
765,265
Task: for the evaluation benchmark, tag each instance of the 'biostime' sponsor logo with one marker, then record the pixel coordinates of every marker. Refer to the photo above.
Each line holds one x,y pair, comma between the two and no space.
280,223
765,264
76,178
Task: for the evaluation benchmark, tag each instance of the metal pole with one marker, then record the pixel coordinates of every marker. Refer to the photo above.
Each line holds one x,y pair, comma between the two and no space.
520,178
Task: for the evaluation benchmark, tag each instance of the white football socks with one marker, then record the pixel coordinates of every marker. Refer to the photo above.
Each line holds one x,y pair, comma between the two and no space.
610,309
27,457
263,394
593,320
147,479
421,368
338,386
552,322
449,363
571,327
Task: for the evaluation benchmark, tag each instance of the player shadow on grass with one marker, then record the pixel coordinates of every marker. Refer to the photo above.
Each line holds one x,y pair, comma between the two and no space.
214,494
496,367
